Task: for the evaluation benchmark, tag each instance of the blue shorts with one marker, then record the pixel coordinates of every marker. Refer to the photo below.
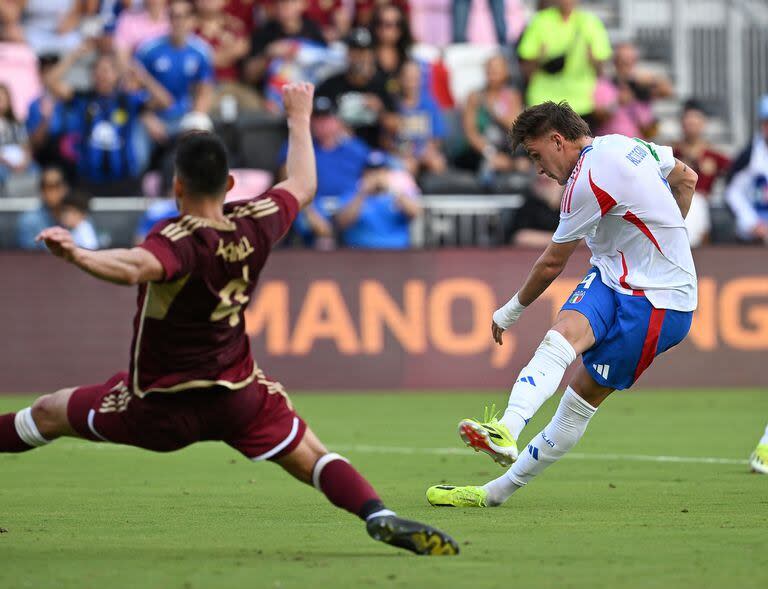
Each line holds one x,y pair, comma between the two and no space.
629,331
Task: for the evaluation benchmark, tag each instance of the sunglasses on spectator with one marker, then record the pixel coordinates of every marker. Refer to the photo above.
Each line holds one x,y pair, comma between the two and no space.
390,24
52,184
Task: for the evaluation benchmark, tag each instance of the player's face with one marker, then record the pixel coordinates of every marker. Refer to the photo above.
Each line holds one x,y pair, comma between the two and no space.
548,156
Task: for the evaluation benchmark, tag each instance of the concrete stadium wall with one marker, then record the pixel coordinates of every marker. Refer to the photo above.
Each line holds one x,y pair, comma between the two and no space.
374,320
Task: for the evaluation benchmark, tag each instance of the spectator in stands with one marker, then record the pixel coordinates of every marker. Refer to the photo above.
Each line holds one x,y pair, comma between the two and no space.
105,123
332,16
279,38
157,210
709,163
340,159
46,123
487,119
247,12
624,103
421,127
461,17
373,215
392,41
363,10
747,192
53,190
535,222
183,64
73,215
361,93
15,152
563,50
135,26
11,30
230,42
52,26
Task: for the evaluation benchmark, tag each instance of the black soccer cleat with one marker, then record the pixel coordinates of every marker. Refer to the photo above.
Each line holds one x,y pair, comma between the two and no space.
410,535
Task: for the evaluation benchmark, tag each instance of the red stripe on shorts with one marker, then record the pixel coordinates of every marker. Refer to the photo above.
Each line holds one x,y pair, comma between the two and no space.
651,341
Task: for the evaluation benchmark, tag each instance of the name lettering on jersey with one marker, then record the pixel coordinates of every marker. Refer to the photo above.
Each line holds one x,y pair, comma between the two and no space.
637,155
256,209
235,252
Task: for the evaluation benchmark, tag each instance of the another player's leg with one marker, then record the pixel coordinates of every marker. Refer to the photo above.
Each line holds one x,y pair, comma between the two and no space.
570,336
37,425
346,488
578,405
759,459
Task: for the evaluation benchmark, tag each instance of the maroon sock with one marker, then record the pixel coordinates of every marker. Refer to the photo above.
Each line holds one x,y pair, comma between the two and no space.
345,487
9,437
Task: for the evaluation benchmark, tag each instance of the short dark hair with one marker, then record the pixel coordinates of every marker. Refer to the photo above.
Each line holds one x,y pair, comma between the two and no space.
548,116
201,163
695,104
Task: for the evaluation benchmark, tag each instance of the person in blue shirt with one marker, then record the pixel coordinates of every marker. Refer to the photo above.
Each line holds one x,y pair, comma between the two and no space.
340,159
53,190
373,215
104,123
46,122
421,127
183,64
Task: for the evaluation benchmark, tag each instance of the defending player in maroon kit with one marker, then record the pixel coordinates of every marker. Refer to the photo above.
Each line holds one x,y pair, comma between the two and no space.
191,375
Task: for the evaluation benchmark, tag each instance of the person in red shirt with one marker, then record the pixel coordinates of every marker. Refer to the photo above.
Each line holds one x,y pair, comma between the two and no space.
191,374
695,149
710,164
230,42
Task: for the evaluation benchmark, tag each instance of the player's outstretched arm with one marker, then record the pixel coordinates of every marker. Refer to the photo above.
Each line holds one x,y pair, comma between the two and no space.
120,266
300,165
682,181
548,267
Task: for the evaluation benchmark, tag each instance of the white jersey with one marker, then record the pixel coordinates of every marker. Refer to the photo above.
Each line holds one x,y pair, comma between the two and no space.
618,199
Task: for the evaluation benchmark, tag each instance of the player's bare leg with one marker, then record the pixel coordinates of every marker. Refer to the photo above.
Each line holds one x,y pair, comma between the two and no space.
579,403
37,425
570,335
346,488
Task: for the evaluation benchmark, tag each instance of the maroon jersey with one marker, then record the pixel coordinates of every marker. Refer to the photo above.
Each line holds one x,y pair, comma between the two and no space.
189,330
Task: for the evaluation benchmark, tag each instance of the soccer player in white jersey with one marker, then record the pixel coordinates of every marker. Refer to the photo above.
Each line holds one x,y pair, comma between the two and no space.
627,199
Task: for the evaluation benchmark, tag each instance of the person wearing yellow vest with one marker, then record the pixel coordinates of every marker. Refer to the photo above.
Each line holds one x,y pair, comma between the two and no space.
562,51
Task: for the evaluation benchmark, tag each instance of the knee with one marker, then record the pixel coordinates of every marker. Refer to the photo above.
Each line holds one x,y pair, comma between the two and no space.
575,328
50,414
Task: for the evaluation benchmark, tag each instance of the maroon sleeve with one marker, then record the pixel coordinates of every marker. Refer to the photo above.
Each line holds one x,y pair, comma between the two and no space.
272,213
176,257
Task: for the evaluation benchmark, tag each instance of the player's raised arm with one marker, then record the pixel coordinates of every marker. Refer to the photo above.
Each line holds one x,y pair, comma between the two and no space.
682,181
301,170
120,266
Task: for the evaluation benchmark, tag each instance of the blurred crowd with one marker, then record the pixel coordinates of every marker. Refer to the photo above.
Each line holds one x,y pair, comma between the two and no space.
94,93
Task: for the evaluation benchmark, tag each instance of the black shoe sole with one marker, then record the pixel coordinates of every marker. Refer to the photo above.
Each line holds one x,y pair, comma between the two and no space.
410,535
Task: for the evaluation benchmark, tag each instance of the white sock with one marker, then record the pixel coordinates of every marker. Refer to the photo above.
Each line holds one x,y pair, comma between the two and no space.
538,381
764,439
27,429
561,434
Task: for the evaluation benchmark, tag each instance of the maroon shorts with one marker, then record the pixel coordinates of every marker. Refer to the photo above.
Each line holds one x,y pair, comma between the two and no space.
257,420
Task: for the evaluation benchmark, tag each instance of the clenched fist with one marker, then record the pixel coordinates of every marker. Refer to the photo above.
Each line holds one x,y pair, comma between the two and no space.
297,100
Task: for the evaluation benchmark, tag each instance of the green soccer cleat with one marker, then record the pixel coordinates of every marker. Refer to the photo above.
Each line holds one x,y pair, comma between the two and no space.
410,535
759,459
450,496
491,436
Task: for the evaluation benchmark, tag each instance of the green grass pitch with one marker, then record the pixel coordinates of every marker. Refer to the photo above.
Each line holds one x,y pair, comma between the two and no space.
87,515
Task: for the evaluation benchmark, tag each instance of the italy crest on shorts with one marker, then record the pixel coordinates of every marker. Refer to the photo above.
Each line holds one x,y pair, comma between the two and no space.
577,296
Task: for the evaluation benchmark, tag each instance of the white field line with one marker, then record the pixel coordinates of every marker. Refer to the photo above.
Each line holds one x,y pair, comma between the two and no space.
403,450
